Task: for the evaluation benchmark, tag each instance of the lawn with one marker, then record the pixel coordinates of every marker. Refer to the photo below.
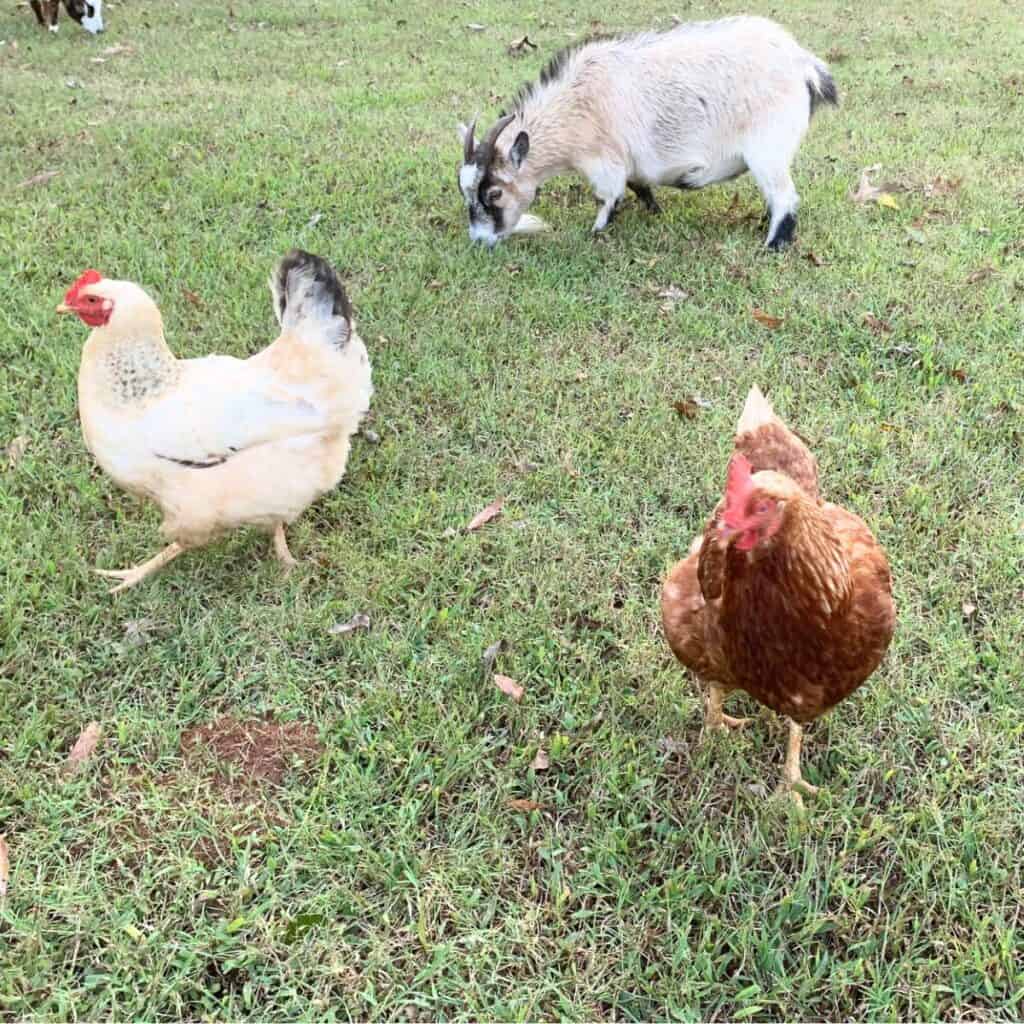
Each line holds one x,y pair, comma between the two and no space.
280,821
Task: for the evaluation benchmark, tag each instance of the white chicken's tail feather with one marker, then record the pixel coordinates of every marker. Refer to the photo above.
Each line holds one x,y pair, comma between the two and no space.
310,301
757,411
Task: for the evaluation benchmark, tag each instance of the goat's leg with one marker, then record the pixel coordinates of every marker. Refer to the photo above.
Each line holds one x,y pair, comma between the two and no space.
770,169
609,184
646,196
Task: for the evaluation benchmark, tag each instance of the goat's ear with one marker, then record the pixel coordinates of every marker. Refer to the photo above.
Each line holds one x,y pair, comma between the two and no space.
462,129
517,154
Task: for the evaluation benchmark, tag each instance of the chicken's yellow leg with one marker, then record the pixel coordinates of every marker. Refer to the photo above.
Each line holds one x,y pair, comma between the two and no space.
715,719
137,573
793,783
284,556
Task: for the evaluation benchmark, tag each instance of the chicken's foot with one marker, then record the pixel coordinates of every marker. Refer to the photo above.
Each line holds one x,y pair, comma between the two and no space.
284,556
793,783
715,719
137,573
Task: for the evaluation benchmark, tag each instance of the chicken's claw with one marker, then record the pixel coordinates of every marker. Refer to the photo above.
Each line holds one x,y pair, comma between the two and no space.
137,573
795,790
128,577
793,784
715,719
725,723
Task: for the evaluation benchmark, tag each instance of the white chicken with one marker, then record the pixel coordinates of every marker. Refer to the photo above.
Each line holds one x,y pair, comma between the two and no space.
220,442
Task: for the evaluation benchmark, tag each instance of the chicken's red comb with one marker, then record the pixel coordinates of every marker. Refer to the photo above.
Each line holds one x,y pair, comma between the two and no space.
738,484
89,277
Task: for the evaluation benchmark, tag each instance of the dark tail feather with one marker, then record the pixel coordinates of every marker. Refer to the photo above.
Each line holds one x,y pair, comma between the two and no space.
309,297
822,89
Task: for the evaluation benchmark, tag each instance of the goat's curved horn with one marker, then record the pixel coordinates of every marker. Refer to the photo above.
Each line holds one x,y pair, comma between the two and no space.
468,142
499,126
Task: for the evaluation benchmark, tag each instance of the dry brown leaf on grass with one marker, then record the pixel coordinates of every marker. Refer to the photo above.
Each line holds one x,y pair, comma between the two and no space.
5,867
541,762
672,295
39,179
117,49
766,319
525,805
509,687
943,186
358,621
981,274
16,449
518,47
813,259
686,408
485,515
137,631
490,655
569,466
192,298
877,325
880,194
968,609
83,748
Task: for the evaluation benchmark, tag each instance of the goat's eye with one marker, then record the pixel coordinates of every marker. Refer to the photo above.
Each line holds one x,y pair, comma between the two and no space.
494,195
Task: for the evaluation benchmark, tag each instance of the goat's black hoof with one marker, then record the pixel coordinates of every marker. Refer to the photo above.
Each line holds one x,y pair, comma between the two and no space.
646,196
783,233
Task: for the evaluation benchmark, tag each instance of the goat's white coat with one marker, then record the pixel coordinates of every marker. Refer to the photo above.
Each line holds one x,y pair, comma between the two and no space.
698,104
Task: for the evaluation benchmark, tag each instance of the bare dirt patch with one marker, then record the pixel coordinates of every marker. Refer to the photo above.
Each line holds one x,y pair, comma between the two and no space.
260,748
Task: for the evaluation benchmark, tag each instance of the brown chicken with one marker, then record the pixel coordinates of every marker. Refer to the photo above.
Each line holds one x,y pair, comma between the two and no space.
784,596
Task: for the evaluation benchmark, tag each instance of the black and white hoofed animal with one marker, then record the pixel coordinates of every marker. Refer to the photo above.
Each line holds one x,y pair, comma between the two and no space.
697,104
88,13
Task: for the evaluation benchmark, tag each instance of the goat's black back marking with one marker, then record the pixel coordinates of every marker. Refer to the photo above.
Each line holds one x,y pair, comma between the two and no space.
554,69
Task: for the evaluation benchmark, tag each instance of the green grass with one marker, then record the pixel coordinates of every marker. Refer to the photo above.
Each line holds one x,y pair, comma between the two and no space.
391,879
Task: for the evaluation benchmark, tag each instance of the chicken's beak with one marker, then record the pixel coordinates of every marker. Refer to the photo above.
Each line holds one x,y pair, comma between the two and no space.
64,308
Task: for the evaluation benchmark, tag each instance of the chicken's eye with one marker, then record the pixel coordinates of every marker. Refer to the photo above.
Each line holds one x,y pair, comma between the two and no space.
763,508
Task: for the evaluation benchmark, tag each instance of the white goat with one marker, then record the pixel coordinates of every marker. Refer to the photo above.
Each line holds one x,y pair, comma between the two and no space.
699,103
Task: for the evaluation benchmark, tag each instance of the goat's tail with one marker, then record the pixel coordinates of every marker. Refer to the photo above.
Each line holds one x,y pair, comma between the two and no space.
820,85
